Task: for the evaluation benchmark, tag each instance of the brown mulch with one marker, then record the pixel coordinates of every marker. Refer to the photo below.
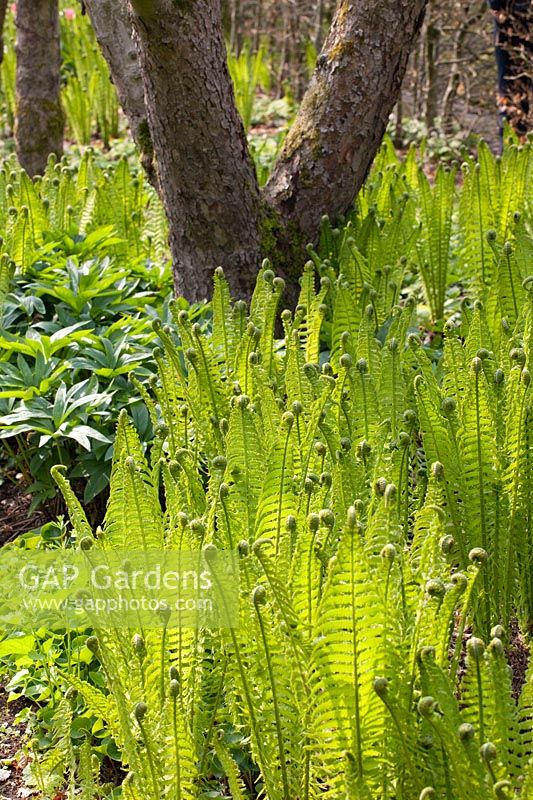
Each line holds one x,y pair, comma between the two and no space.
266,130
518,657
12,761
14,512
14,520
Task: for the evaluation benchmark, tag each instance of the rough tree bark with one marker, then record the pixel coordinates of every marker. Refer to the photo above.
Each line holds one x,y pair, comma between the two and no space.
207,181
206,177
112,27
39,119
344,113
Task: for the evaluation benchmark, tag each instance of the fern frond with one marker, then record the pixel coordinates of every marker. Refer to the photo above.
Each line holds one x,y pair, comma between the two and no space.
349,653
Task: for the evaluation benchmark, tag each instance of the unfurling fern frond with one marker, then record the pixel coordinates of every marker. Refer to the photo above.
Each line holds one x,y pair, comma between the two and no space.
350,651
352,663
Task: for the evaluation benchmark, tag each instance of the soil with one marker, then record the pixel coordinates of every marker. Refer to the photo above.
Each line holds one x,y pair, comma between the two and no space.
518,657
517,651
14,512
15,517
12,761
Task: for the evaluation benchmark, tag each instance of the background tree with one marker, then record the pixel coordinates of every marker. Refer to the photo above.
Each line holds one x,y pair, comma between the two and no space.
513,20
39,119
450,80
216,212
294,29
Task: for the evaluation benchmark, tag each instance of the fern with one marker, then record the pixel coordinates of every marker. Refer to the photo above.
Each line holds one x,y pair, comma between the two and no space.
374,490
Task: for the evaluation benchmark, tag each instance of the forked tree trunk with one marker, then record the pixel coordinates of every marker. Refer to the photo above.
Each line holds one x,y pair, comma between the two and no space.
112,27
206,178
39,119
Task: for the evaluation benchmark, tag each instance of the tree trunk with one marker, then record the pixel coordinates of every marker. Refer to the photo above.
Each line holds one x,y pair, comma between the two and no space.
514,55
258,25
319,21
398,123
233,36
39,119
473,14
344,113
207,179
112,27
432,87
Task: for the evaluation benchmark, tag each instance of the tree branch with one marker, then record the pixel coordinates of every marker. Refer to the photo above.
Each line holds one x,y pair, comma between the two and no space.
344,113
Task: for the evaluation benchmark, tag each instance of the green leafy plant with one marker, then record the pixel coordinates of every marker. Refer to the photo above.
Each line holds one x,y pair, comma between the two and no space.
76,275
85,70
72,333
80,211
88,96
76,103
249,72
370,468
72,414
367,558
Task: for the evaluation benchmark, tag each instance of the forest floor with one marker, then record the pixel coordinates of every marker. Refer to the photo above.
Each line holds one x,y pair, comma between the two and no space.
15,518
12,762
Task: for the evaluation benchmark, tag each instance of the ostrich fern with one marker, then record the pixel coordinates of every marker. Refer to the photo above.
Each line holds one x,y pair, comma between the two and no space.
73,202
380,508
372,478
